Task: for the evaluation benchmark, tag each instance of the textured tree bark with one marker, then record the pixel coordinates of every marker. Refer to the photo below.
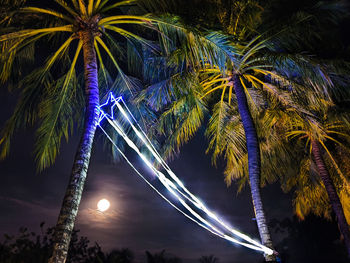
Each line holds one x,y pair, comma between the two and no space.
332,193
254,165
71,201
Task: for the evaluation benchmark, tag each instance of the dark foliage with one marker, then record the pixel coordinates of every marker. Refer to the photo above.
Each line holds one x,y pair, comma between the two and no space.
312,240
161,257
29,247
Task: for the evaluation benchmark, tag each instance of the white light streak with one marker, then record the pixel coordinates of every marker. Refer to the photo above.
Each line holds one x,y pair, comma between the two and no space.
177,191
211,229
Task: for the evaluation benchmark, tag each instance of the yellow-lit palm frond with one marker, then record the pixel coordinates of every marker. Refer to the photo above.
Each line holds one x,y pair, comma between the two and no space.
227,138
49,144
328,132
63,28
310,194
253,71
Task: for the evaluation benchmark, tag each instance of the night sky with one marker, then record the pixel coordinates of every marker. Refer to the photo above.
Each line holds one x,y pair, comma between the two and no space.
138,218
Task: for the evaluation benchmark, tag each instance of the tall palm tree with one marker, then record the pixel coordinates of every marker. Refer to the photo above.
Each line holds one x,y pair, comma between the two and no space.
247,69
186,98
254,76
325,127
235,77
319,134
51,94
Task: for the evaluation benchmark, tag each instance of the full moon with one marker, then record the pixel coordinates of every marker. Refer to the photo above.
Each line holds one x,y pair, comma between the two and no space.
103,205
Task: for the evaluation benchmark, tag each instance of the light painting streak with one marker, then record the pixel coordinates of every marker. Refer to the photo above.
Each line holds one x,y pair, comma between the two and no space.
212,229
218,233
194,200
170,186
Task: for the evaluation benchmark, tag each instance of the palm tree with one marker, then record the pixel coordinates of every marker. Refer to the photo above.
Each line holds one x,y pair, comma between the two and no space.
324,125
242,70
51,94
250,68
254,71
319,134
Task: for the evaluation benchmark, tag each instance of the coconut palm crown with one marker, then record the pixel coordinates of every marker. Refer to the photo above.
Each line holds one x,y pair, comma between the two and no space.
325,137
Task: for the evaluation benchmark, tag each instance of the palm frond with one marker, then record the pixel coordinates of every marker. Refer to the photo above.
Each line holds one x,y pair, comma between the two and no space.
26,110
56,114
32,32
67,7
46,11
117,5
52,128
180,122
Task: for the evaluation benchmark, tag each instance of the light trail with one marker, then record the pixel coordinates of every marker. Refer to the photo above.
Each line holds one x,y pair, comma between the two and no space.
194,200
218,233
212,230
170,186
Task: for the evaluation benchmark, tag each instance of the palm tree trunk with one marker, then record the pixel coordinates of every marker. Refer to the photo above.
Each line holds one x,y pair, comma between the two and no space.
71,201
254,165
332,193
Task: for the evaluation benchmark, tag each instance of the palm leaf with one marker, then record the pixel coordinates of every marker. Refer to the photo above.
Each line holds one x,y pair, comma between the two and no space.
49,133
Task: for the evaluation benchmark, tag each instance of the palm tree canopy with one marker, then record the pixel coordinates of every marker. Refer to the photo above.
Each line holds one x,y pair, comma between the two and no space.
51,94
331,131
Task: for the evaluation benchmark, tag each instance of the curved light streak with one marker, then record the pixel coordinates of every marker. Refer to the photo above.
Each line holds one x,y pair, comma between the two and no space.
212,229
170,186
194,200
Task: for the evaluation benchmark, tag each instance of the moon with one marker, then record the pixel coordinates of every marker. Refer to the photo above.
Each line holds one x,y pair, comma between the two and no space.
103,205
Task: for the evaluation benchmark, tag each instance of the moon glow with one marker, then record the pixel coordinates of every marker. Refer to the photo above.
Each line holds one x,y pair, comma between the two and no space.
103,205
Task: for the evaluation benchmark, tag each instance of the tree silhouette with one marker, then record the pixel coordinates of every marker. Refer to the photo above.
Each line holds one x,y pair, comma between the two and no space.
161,257
208,259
